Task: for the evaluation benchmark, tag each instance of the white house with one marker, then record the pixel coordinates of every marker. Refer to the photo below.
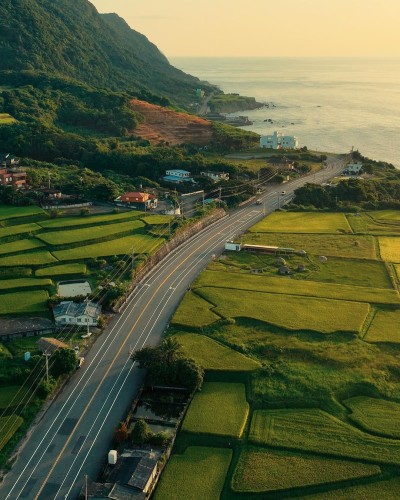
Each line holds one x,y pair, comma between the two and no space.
353,168
216,176
77,313
279,141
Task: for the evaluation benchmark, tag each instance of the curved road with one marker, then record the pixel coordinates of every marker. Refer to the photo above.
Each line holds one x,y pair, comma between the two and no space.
73,437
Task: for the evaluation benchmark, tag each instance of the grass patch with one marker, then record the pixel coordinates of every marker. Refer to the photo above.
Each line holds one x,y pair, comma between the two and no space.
290,312
338,245
317,431
389,248
89,233
384,327
19,229
140,243
219,409
34,301
13,395
157,220
39,258
377,416
194,311
11,212
198,474
20,246
89,220
8,427
24,283
212,355
302,222
62,269
260,470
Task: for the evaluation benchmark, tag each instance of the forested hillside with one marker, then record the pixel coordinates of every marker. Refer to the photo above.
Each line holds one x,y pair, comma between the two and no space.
70,38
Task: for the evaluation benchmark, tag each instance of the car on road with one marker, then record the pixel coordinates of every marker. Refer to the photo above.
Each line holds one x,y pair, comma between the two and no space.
258,202
79,362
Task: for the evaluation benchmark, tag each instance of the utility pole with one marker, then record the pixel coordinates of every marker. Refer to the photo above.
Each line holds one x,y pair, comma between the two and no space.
279,200
47,355
220,195
133,261
86,487
49,180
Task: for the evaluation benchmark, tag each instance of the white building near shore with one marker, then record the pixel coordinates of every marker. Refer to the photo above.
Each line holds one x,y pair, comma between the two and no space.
279,141
353,168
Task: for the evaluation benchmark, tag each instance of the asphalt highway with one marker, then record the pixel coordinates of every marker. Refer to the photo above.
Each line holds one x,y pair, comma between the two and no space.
74,435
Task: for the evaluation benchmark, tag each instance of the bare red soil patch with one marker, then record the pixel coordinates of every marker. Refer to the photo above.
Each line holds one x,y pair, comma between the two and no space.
164,125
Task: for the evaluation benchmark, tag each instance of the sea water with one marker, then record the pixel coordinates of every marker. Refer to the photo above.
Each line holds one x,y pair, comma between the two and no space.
330,104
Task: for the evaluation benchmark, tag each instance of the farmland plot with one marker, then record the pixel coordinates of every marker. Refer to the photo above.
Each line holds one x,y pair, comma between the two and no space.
198,474
303,222
20,246
384,490
219,409
38,258
317,431
62,269
377,416
288,311
24,302
91,220
385,327
19,229
194,311
8,427
261,470
390,248
212,355
8,212
24,283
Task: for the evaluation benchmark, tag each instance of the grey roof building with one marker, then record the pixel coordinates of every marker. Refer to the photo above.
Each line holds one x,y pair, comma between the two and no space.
77,313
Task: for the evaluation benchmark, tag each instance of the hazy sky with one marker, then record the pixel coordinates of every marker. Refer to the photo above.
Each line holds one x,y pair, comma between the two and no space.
264,27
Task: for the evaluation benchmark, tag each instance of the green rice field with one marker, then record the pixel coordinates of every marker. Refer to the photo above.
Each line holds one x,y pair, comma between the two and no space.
24,302
24,283
38,258
262,470
20,246
8,427
9,212
366,224
89,233
218,409
62,269
303,222
19,229
12,396
212,355
384,327
287,286
198,474
288,311
377,416
141,243
390,248
335,245
386,215
385,490
194,311
317,431
89,220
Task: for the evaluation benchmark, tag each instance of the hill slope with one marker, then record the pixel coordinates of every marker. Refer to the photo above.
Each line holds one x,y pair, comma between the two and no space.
70,38
164,125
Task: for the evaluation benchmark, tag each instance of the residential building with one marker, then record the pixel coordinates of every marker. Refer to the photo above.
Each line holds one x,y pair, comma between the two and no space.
279,141
216,176
49,345
353,168
137,200
77,313
10,173
177,176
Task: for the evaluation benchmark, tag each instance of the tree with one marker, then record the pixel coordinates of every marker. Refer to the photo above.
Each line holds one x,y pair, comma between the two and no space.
169,350
62,361
140,432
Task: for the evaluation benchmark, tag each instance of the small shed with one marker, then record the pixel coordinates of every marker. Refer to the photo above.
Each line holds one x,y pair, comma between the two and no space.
230,245
49,345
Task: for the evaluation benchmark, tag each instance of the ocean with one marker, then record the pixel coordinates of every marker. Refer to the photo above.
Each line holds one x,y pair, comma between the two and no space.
331,104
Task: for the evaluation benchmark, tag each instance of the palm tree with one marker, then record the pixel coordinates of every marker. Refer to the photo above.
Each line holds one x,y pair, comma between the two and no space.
169,350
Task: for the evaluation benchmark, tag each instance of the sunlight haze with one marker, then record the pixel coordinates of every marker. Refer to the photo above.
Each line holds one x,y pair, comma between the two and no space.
264,28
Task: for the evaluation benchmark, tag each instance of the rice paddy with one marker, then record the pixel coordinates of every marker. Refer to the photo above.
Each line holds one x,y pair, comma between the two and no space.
20,246
62,269
303,222
385,327
219,409
389,248
377,416
8,427
23,302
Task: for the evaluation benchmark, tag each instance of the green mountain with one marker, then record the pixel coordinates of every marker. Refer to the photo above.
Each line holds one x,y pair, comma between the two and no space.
69,38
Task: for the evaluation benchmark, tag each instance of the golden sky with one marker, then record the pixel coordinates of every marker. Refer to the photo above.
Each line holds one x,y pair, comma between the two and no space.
264,27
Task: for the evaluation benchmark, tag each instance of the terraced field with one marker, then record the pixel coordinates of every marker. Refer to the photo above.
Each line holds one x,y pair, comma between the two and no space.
198,474
219,409
384,327
375,415
389,248
261,470
20,246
